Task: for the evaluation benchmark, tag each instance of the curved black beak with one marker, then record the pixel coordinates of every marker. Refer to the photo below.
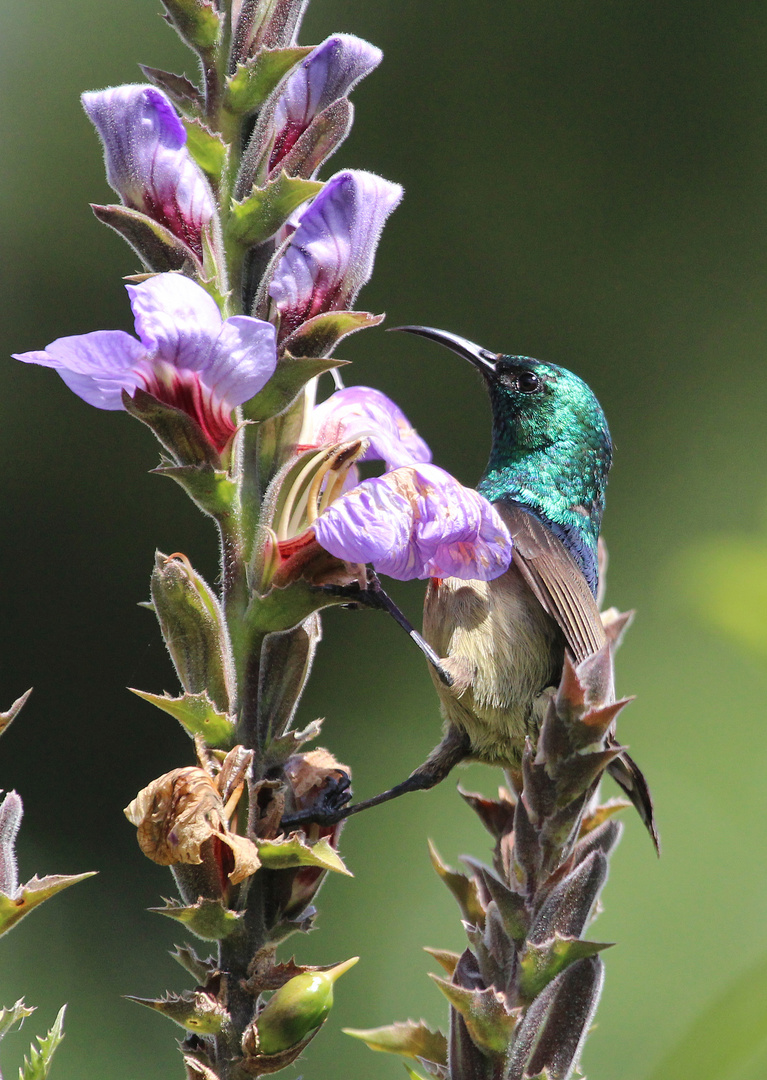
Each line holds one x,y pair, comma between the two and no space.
482,359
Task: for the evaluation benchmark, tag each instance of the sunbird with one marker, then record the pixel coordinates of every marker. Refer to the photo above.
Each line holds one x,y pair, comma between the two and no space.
498,647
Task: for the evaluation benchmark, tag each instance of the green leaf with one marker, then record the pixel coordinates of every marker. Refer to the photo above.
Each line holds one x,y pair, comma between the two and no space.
13,909
412,1074
410,1039
279,750
207,148
17,1014
183,93
295,851
464,889
447,960
195,1010
196,713
539,964
327,130
210,488
489,1021
7,718
178,432
197,22
730,1031
320,335
267,209
157,247
38,1063
253,82
200,970
285,385
208,919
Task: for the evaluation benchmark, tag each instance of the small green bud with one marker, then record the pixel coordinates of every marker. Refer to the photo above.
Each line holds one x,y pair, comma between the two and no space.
297,1009
193,627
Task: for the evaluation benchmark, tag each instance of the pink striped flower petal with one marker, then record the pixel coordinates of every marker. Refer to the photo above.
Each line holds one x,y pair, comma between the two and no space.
186,356
360,412
147,161
330,255
417,522
327,74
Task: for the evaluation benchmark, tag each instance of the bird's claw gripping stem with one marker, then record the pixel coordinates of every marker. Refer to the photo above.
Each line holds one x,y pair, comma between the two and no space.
375,596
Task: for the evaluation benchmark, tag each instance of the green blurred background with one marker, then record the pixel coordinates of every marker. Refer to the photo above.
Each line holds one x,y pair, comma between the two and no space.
586,182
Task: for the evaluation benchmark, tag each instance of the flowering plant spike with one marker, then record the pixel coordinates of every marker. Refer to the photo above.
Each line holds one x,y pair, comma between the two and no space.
252,260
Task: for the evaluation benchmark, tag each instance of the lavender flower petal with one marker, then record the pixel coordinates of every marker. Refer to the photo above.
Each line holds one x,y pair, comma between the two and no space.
97,366
330,255
362,412
187,356
417,522
327,74
147,161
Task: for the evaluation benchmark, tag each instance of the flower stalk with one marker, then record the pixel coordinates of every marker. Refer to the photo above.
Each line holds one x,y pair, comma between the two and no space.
252,266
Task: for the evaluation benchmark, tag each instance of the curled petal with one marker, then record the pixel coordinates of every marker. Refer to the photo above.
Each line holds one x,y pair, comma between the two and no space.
325,75
417,522
179,813
188,357
360,412
147,161
330,255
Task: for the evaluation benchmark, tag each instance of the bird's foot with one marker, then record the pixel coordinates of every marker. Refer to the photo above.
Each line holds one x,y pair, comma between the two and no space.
329,808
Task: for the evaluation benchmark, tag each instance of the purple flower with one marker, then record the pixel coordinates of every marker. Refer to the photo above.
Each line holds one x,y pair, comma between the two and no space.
360,412
147,161
186,356
417,522
327,74
330,255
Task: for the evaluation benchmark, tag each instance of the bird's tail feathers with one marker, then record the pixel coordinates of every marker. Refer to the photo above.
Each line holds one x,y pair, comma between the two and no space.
629,777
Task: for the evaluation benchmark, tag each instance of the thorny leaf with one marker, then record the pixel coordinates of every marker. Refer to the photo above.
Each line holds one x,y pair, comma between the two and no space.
7,718
253,81
295,851
12,909
540,964
200,970
208,919
445,959
463,888
414,1039
489,1020
16,1014
319,335
158,248
266,209
37,1065
197,714
196,1010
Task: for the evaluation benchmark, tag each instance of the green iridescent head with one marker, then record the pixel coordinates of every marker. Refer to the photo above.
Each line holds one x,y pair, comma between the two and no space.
551,449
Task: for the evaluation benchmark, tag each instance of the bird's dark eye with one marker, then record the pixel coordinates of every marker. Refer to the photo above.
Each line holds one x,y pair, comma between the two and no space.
528,382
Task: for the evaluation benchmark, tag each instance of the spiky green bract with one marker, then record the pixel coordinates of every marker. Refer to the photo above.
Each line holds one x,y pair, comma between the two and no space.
37,1065
523,993
551,449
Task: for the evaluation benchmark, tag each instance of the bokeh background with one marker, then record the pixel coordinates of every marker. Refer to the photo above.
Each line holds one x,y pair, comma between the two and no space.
586,182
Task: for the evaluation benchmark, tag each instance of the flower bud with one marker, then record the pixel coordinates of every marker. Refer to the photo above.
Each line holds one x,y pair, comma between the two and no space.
193,627
297,1009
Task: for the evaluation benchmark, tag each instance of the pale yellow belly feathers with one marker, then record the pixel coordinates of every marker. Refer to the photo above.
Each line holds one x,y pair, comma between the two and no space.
503,652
